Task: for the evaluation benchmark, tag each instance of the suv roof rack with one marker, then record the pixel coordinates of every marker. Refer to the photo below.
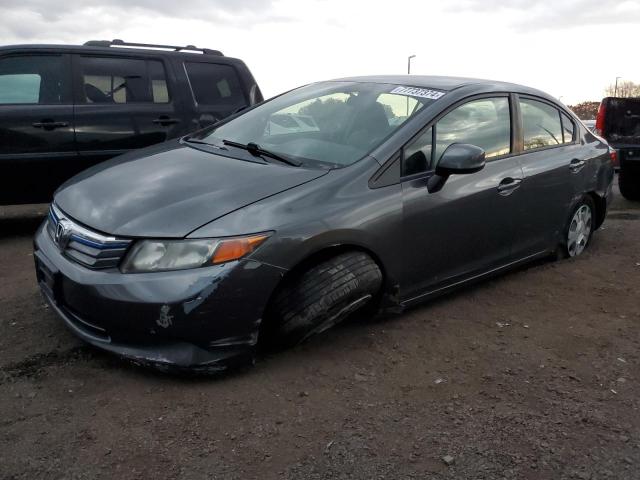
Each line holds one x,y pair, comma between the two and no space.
121,43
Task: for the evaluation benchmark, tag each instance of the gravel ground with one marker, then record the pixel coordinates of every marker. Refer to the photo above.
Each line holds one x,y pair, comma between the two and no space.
533,375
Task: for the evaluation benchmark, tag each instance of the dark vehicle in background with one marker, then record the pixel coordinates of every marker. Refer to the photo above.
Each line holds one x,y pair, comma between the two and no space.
398,189
66,108
618,122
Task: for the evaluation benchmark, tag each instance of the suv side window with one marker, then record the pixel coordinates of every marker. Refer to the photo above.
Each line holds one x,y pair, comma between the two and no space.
485,123
567,128
541,124
158,78
33,79
215,84
122,80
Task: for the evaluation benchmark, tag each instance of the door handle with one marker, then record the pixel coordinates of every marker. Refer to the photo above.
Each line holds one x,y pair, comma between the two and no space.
576,165
508,185
49,124
164,121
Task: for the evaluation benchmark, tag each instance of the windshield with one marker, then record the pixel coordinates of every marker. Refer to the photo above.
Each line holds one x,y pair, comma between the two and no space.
330,123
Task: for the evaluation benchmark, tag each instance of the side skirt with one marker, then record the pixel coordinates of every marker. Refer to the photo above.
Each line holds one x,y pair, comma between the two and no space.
472,279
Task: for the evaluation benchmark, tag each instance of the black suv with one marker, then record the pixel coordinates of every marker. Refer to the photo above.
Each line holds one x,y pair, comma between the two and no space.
618,122
66,108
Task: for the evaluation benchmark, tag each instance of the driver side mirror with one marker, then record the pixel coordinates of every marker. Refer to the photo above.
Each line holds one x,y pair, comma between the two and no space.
457,159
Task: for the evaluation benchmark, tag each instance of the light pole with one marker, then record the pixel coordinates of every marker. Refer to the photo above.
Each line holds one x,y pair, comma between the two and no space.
409,63
409,73
615,90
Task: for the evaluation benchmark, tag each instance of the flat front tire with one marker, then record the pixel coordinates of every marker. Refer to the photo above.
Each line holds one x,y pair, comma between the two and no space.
322,296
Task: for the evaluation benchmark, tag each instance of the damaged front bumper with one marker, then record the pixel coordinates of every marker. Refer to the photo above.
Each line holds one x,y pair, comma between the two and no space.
205,319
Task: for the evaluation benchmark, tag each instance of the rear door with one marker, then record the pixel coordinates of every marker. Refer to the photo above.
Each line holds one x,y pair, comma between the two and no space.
467,227
36,125
122,103
553,164
216,89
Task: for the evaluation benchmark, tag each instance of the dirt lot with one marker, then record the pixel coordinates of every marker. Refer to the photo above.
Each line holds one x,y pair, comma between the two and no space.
533,375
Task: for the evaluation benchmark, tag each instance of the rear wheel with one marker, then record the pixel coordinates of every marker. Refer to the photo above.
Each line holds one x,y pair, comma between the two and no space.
320,297
581,225
629,183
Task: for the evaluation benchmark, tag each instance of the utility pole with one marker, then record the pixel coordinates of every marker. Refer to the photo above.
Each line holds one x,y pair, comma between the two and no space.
615,90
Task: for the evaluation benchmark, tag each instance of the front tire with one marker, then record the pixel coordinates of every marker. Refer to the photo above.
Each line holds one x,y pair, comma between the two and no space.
322,296
580,228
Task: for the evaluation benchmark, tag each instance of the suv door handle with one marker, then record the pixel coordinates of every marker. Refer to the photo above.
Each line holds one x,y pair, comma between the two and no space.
164,120
49,124
508,185
576,165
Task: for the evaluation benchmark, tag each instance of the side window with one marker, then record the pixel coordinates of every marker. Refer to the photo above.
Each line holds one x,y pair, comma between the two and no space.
485,123
123,80
32,79
158,78
567,128
541,124
215,84
417,154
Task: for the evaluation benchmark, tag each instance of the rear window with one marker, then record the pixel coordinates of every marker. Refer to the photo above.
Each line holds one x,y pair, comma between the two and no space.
215,84
622,120
32,79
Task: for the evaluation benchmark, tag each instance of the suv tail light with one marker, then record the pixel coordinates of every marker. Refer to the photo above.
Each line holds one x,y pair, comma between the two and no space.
602,110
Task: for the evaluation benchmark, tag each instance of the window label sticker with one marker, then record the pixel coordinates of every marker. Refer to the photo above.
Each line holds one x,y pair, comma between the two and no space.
418,92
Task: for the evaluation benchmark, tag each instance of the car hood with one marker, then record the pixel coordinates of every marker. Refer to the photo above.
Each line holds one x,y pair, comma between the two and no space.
171,191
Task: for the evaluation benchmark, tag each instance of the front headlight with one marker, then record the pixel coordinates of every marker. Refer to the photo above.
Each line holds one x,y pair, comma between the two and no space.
163,255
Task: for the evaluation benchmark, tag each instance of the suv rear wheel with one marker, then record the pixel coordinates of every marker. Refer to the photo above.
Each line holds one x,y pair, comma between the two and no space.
629,183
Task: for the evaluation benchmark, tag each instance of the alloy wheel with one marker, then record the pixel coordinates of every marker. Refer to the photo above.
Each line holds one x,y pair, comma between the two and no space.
579,231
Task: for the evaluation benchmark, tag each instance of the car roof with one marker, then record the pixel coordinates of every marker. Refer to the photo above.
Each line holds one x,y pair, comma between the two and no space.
446,83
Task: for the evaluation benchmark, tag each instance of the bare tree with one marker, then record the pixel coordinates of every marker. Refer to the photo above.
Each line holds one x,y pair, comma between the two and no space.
625,89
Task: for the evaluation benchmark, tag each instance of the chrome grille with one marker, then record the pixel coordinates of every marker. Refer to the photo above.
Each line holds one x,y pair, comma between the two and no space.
89,248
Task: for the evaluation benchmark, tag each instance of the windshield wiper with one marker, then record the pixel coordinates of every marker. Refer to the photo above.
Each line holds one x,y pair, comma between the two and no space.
257,151
201,142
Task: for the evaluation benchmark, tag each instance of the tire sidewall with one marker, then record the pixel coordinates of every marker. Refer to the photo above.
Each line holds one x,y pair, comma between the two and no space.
321,296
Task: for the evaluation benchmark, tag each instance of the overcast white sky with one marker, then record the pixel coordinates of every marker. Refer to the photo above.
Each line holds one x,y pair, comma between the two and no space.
570,48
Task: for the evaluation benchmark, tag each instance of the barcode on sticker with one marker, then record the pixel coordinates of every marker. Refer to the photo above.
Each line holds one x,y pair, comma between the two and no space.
418,92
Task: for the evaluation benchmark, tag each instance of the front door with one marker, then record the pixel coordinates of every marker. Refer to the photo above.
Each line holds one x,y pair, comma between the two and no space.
467,227
122,104
36,126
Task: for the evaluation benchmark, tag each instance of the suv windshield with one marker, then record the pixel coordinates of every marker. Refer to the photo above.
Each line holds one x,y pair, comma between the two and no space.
334,123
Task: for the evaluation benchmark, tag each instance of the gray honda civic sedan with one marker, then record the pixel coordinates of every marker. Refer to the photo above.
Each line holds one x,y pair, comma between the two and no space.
278,222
